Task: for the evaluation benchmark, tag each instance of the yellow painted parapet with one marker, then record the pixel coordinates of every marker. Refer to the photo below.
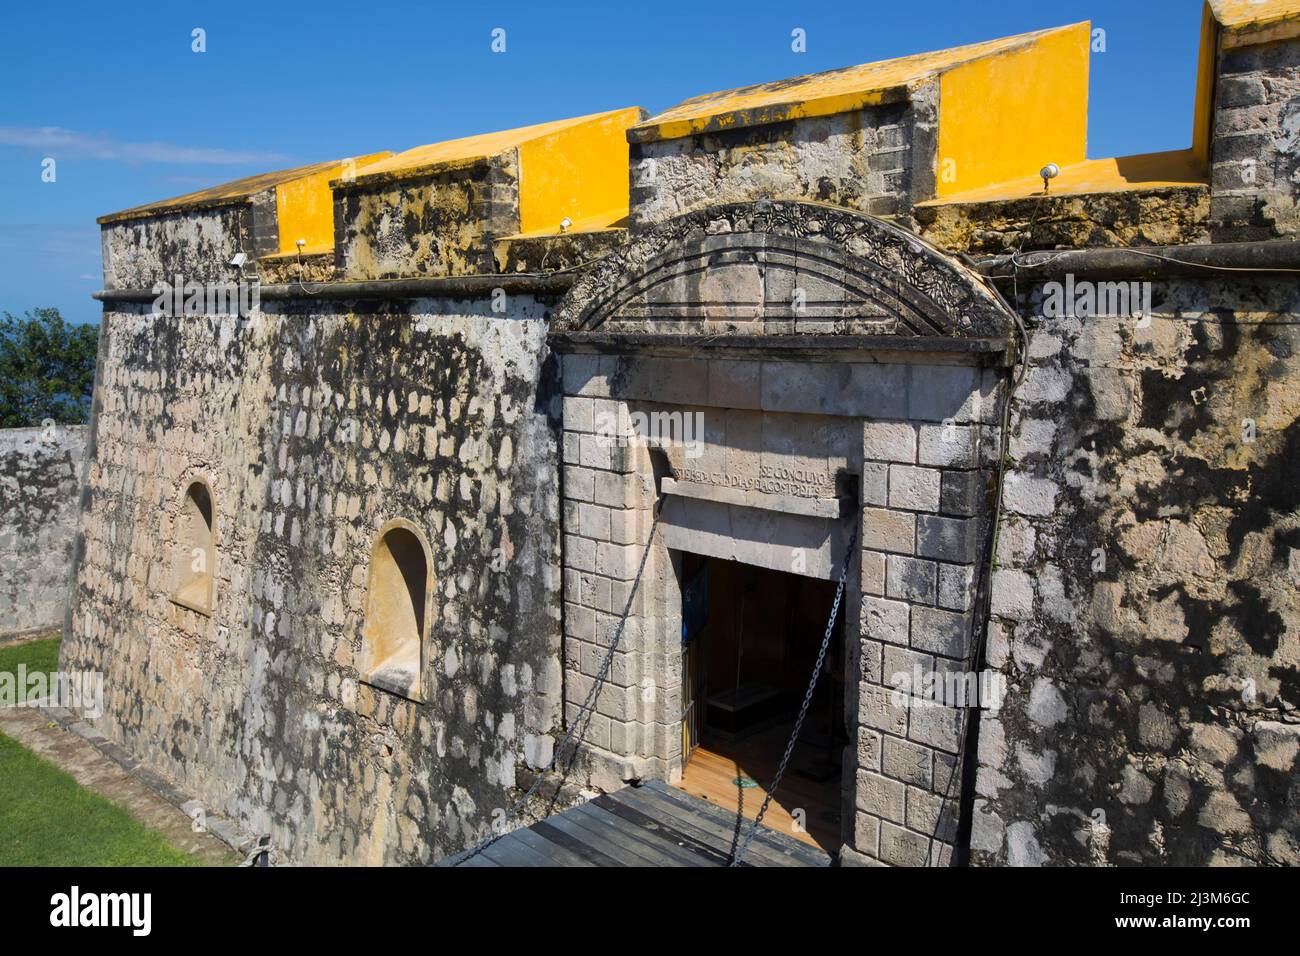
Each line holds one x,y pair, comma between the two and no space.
304,206
1207,68
1006,106
241,190
579,172
1247,22
819,94
1006,114
1178,168
572,168
1226,25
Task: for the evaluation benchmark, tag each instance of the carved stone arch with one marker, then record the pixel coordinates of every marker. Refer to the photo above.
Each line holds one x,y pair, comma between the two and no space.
811,352
781,268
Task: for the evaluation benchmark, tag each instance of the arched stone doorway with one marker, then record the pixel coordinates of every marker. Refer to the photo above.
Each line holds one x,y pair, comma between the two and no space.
775,370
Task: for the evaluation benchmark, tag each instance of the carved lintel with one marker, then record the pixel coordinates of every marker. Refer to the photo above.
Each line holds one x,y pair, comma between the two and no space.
722,494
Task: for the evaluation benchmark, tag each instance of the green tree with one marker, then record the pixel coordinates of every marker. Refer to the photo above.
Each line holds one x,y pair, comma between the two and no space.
47,369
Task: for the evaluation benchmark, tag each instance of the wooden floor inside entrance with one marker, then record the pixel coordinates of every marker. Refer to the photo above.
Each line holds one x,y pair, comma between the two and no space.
714,768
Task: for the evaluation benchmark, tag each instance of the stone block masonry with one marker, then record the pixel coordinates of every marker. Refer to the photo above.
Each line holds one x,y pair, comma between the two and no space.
832,366
900,440
321,425
863,160
40,483
915,621
1144,602
1255,172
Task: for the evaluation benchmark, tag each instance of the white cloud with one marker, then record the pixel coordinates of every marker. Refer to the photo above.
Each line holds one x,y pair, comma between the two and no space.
69,144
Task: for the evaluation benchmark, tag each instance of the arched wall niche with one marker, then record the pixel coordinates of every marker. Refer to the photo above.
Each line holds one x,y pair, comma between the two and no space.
194,548
398,596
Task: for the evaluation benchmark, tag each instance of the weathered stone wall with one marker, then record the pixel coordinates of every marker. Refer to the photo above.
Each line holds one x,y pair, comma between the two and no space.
197,245
1174,215
314,424
439,224
877,160
1255,169
40,479
1145,602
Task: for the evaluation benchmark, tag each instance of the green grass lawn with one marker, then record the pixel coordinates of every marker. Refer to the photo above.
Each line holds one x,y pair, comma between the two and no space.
48,819
37,655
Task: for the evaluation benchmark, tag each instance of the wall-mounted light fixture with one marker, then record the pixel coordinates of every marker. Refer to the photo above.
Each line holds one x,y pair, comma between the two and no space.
1049,172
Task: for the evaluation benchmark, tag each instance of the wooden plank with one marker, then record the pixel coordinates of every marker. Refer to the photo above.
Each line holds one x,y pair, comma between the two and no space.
511,851
557,854
636,848
615,845
773,839
556,832
477,861
652,825
704,847
768,843
602,843
765,838
719,837
663,844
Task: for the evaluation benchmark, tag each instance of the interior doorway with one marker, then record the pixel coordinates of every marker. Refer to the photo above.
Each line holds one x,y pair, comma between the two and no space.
750,638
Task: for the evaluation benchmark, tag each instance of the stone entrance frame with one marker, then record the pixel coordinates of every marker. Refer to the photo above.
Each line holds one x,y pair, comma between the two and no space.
835,366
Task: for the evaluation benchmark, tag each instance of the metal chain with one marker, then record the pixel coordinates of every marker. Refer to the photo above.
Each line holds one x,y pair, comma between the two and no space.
579,728
803,709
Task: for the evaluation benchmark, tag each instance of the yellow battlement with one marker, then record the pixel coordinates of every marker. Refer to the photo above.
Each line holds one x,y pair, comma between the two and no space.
572,168
1256,21
300,182
998,101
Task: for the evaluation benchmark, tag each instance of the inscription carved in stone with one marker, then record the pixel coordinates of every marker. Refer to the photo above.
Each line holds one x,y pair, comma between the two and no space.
770,480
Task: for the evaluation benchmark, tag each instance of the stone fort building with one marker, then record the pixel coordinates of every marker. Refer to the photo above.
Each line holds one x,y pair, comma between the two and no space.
352,550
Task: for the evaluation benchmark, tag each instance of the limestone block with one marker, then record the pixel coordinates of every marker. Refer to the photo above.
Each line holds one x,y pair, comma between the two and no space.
940,393
889,441
915,489
901,847
948,539
886,530
941,632
911,579
949,446
880,796
885,620
907,761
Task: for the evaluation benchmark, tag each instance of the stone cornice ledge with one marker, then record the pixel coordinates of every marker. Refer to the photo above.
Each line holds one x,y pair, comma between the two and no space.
838,348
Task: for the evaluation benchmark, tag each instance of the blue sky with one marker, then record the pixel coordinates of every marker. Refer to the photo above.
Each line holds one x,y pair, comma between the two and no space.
131,114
